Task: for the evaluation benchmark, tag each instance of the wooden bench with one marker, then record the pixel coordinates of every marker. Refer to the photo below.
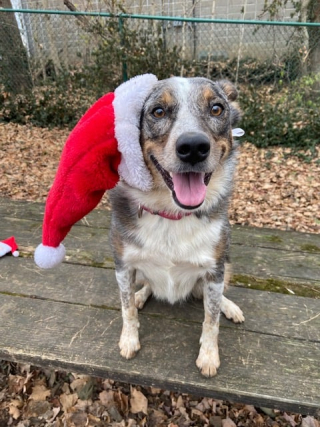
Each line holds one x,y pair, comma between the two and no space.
69,317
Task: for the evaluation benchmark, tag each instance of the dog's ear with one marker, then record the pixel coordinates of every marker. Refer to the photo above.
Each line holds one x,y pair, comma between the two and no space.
232,94
229,89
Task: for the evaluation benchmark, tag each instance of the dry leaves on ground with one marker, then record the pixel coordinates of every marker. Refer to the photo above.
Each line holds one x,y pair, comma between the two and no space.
271,190
40,398
276,190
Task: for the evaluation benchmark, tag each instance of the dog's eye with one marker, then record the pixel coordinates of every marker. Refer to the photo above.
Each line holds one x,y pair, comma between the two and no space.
159,112
216,110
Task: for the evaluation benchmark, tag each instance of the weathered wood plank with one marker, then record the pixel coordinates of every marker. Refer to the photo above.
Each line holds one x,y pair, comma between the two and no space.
90,246
33,211
241,235
85,245
21,209
265,312
256,368
70,317
292,241
265,262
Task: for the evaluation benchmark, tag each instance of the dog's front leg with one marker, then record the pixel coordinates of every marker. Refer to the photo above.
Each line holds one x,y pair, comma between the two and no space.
208,360
129,341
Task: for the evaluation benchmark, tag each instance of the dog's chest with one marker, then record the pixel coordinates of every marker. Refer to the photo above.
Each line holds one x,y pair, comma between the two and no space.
173,255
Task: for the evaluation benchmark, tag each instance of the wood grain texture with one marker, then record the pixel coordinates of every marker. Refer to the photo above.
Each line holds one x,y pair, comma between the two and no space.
257,255
256,368
70,317
265,312
241,235
267,262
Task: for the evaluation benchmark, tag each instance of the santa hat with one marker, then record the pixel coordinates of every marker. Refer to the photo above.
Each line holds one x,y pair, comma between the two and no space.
104,146
7,246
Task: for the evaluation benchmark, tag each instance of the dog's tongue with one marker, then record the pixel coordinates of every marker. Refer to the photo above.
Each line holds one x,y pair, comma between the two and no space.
189,188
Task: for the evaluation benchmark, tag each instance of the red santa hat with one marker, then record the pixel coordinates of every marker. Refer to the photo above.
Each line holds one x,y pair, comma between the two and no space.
7,246
103,147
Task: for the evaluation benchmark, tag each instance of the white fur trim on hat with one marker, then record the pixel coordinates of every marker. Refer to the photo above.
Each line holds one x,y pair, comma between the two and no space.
128,102
48,257
4,248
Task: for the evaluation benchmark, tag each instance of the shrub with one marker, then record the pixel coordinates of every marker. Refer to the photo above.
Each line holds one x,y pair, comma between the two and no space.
284,118
57,103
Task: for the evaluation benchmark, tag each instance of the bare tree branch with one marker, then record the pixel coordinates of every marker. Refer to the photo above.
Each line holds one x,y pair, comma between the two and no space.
84,21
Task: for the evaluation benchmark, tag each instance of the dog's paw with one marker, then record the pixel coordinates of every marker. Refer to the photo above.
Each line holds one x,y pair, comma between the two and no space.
208,361
231,310
129,341
141,296
129,345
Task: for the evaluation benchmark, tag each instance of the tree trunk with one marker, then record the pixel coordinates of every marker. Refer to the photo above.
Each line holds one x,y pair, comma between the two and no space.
14,68
314,37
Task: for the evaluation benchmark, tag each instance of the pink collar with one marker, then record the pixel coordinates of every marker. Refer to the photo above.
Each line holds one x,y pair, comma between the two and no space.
163,214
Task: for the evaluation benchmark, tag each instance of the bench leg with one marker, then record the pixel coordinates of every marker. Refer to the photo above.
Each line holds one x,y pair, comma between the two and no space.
208,360
129,341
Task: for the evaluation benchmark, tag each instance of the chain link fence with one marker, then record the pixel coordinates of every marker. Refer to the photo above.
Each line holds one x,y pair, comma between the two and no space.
57,63
34,46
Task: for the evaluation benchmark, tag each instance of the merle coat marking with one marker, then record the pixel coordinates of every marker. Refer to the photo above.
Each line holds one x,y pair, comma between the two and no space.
186,139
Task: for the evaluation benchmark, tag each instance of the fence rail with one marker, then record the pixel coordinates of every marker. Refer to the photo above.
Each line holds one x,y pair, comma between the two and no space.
56,35
164,17
67,59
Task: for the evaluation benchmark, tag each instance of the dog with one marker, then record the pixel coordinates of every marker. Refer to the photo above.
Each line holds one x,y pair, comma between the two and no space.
177,235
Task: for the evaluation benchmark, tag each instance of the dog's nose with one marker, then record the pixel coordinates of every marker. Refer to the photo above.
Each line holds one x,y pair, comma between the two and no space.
192,147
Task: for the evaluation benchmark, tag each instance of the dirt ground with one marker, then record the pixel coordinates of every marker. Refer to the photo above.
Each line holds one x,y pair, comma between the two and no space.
272,190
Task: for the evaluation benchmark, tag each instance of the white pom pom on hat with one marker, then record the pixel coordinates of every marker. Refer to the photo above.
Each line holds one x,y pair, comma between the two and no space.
104,146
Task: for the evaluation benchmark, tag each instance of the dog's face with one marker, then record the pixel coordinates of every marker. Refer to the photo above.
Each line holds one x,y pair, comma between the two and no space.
186,135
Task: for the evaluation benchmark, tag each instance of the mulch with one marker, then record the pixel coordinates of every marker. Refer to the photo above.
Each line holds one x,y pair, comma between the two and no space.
273,189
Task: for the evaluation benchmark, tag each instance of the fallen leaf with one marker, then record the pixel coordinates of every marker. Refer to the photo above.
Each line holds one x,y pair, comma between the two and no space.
138,402
39,393
68,400
155,390
180,402
289,419
79,382
65,388
15,383
14,406
228,423
55,412
310,422
122,401
107,398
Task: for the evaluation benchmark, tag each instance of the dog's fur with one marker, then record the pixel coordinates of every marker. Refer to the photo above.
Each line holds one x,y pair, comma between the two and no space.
177,258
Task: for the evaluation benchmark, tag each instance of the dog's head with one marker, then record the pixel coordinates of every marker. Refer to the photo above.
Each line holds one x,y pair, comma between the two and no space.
186,137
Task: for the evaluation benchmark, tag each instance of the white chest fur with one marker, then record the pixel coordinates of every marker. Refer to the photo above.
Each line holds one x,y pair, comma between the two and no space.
173,254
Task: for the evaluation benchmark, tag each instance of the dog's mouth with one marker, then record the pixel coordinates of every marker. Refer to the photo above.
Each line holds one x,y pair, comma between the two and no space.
188,188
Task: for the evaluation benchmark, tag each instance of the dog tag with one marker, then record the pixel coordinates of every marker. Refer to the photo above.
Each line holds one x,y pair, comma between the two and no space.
238,132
